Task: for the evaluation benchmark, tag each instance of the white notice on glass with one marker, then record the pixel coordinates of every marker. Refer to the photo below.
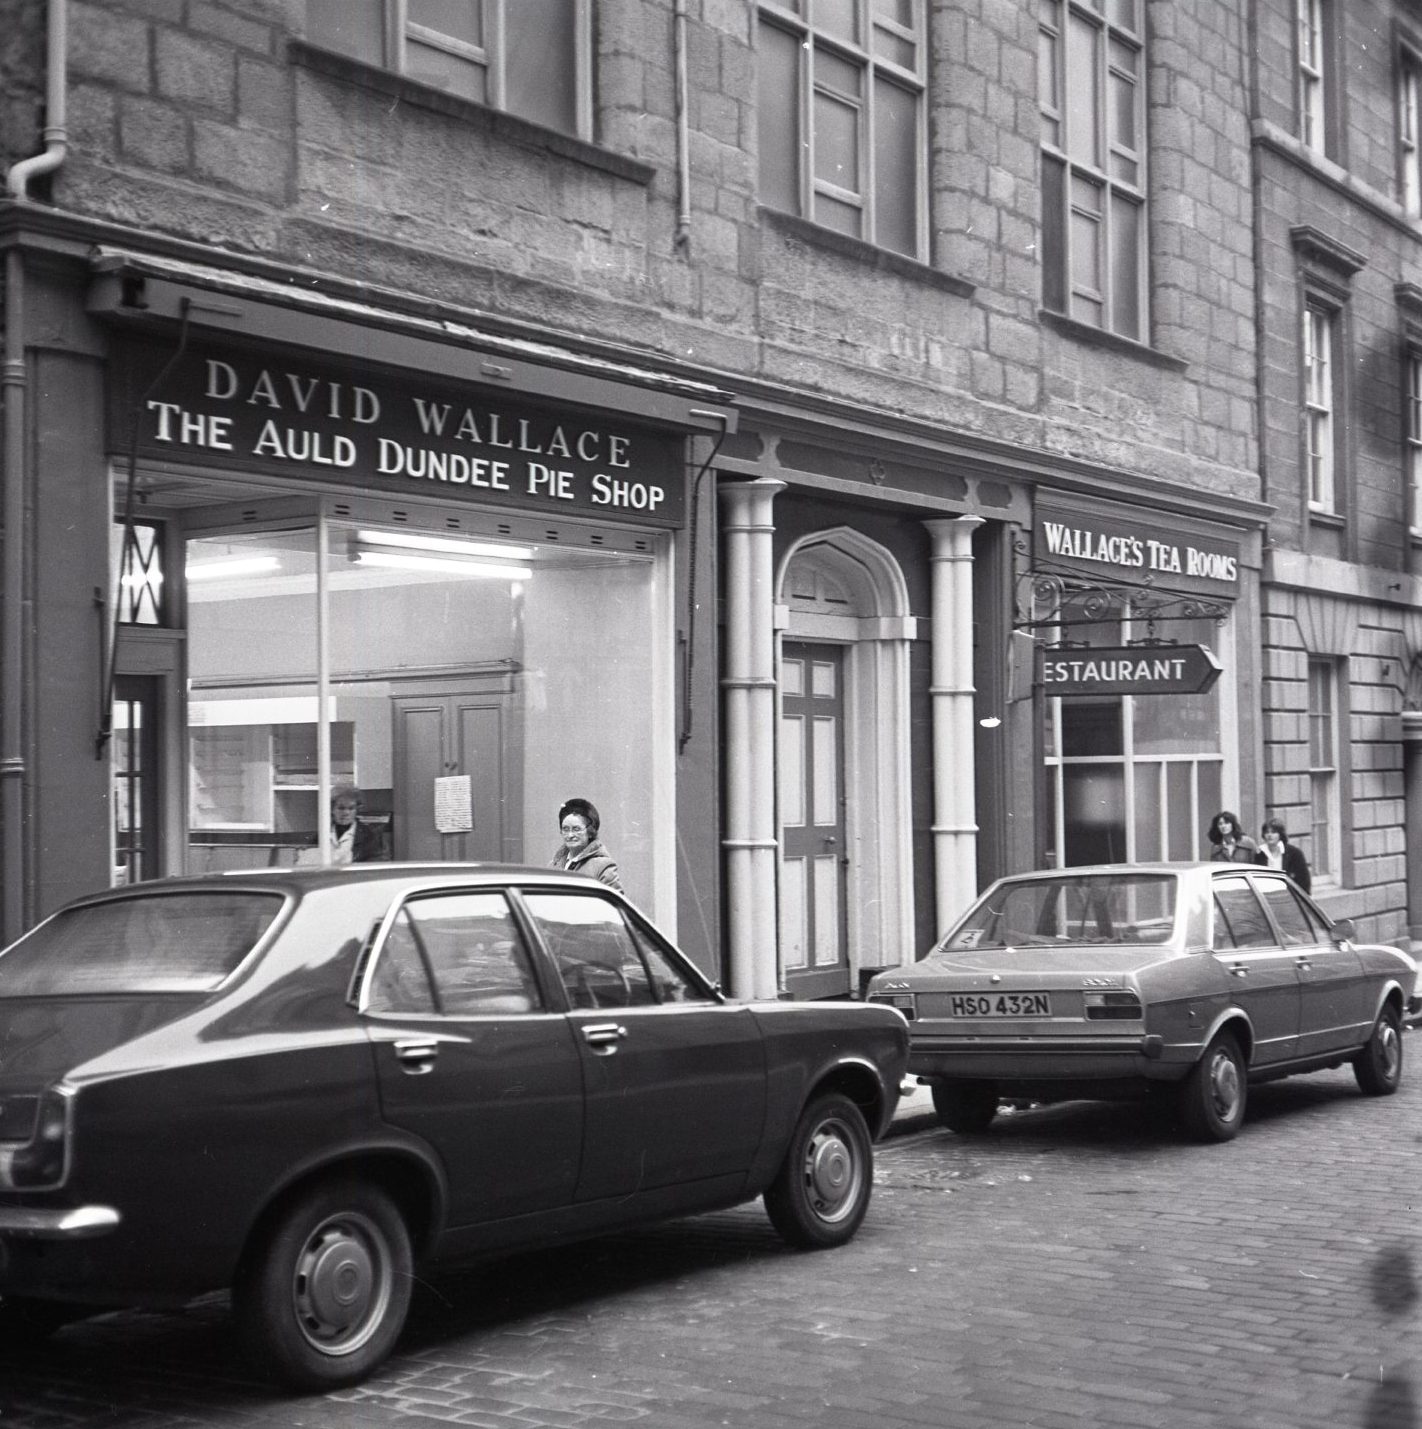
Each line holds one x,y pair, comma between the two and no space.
454,804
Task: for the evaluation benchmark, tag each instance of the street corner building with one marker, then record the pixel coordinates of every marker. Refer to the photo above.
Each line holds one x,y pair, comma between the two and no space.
865,449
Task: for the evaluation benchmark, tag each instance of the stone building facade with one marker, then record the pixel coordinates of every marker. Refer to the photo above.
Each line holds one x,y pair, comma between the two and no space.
940,329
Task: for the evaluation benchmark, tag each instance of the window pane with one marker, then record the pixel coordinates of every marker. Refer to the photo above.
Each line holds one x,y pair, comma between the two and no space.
1125,267
1123,96
442,70
596,957
836,143
778,74
1089,728
838,18
1146,813
1048,95
476,954
670,981
354,27
541,62
1093,814
1083,86
460,19
1287,913
1239,919
1053,235
895,168
400,982
1178,779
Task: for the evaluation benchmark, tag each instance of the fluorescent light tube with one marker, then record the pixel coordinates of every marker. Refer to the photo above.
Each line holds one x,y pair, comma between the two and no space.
413,541
446,565
238,566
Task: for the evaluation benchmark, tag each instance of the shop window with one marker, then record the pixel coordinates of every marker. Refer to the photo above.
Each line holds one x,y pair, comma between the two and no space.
529,57
1131,778
842,117
1091,91
1323,761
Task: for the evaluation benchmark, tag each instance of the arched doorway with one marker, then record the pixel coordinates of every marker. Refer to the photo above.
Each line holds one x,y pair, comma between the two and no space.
845,877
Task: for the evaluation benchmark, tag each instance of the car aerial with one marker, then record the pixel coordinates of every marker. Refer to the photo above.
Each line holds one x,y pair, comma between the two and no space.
307,1085
1187,981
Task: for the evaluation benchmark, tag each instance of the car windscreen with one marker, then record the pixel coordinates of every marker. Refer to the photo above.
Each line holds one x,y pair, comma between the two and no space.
1067,910
168,942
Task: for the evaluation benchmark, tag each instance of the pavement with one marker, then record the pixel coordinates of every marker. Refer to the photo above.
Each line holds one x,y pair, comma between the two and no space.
1079,1267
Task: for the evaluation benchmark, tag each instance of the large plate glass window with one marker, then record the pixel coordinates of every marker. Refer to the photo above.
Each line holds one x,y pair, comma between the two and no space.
1091,91
1131,777
842,117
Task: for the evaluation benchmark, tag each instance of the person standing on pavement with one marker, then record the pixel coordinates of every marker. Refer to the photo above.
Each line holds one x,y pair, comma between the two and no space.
1231,843
582,851
1279,853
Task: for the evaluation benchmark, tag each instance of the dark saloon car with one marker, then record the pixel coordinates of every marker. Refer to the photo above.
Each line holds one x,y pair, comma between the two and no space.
1187,980
307,1085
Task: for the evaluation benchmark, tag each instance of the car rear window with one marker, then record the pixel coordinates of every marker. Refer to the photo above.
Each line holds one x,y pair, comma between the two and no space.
170,942
1070,910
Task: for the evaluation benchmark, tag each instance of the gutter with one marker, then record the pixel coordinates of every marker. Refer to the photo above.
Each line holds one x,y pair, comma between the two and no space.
14,381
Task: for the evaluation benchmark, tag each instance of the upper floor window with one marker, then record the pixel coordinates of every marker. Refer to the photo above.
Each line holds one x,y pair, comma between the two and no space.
1414,441
1409,139
529,57
1091,82
1312,53
1319,337
842,123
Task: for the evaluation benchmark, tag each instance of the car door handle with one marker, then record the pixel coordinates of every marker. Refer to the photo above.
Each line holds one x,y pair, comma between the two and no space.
417,1057
603,1037
1303,963
1238,970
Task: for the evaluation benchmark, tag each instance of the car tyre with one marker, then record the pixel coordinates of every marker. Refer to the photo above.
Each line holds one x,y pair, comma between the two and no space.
1213,1096
965,1107
323,1293
821,1192
1378,1067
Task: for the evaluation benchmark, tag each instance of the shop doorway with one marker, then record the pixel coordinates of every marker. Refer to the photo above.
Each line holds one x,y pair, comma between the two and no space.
813,934
135,769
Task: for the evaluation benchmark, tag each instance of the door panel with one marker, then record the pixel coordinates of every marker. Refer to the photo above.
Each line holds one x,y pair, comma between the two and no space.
813,929
1263,976
419,761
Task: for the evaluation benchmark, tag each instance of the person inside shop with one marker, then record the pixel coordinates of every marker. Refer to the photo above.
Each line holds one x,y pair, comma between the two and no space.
1279,853
351,840
1231,843
582,850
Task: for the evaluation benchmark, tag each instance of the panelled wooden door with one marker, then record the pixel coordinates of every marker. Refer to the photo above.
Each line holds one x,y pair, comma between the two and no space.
813,937
441,735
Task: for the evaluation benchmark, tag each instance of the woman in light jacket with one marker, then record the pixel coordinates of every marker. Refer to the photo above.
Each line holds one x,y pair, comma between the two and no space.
581,850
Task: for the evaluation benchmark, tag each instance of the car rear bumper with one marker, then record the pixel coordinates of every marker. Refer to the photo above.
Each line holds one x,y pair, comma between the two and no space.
65,1223
1020,1059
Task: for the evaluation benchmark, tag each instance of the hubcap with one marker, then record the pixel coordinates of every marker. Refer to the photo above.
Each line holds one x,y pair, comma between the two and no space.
1224,1086
342,1284
833,1174
1389,1050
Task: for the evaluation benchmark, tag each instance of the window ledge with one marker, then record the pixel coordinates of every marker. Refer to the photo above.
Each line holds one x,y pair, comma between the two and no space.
1319,517
492,121
884,259
1099,337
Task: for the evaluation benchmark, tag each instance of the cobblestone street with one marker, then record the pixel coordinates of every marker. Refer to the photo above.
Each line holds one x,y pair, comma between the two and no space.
1080,1266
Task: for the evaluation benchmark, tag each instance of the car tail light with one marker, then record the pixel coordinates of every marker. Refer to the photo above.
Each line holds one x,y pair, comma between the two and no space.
43,1161
1123,1005
902,1000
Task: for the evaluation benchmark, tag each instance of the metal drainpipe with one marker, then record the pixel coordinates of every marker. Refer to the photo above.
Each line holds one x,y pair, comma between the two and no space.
14,380
683,130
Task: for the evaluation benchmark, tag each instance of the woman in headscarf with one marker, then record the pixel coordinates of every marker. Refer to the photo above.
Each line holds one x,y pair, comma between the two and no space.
582,851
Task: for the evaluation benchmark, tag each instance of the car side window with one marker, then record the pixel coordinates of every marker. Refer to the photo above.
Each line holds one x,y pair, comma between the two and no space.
469,946
1321,929
1287,912
1239,917
669,981
400,981
592,948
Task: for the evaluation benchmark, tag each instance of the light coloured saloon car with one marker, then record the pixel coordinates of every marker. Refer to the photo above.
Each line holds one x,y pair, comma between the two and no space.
1189,981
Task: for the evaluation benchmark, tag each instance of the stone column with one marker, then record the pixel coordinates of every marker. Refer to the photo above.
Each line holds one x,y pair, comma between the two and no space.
748,694
955,829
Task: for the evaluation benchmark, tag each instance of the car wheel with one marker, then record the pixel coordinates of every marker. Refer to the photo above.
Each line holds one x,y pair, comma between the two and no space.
1212,1097
821,1192
965,1107
1378,1067
323,1293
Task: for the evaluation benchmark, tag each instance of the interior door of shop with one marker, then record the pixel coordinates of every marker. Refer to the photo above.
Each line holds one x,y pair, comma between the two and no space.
813,934
436,737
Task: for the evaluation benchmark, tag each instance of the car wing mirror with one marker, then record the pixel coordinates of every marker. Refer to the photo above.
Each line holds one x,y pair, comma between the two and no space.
1345,930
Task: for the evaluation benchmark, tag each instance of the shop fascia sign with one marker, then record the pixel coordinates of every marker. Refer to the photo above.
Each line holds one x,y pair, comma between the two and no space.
1145,552
1084,672
249,412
